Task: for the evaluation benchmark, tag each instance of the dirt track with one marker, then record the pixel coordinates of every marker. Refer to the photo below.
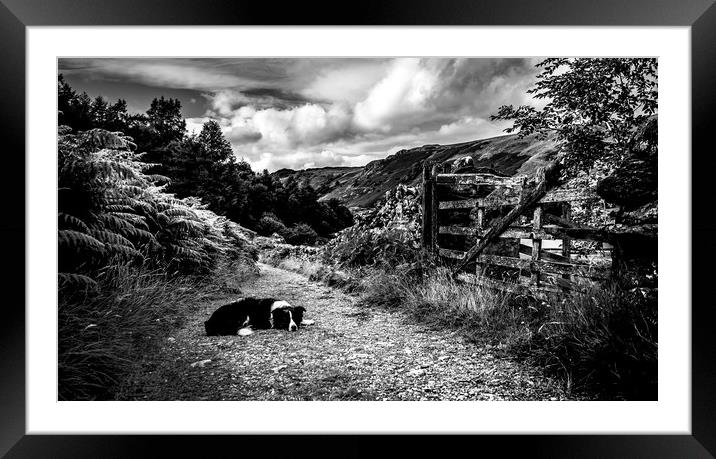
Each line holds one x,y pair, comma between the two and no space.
350,353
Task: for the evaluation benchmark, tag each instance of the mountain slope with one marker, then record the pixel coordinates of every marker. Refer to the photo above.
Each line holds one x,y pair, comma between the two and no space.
363,186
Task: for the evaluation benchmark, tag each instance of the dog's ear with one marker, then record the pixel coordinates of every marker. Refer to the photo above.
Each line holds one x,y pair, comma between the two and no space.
300,308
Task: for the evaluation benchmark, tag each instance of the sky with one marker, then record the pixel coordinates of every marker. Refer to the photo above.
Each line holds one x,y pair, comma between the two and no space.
314,112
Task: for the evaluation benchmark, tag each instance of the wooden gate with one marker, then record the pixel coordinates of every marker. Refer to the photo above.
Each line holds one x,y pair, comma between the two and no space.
512,233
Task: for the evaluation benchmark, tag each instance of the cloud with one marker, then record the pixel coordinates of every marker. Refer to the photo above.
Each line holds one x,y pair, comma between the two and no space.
306,159
329,111
401,94
161,73
348,81
403,103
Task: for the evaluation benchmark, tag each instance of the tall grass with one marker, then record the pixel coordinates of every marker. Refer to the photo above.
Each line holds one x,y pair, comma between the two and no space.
104,332
603,340
482,314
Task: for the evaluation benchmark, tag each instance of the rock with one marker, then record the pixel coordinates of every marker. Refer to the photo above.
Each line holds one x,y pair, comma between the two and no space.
200,363
337,279
416,372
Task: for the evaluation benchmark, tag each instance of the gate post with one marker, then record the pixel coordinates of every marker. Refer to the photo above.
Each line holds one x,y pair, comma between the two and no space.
427,206
434,207
536,243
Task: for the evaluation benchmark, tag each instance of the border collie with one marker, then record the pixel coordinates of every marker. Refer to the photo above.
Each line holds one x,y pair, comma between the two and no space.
240,316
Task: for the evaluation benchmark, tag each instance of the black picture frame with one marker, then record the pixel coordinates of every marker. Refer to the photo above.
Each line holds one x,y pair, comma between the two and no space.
16,15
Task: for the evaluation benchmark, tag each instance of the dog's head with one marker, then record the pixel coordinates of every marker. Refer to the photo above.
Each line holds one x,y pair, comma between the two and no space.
285,316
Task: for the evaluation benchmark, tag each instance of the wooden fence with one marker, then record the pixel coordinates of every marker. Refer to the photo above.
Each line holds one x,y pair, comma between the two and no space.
513,233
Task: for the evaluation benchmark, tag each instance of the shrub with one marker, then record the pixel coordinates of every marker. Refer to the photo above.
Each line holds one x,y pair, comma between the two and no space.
300,234
270,224
380,248
385,236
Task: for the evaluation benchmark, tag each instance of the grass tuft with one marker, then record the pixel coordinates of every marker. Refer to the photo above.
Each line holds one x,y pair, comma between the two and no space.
104,333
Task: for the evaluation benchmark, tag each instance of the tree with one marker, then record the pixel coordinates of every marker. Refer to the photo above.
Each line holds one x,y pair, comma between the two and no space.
216,147
594,107
164,115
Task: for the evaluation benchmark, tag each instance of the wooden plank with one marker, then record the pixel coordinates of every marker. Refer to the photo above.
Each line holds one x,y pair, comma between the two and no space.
500,226
562,195
476,179
463,204
459,230
550,197
549,267
513,232
471,203
565,284
539,292
577,233
449,253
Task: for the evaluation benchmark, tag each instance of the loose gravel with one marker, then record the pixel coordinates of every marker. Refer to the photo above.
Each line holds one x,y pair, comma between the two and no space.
350,353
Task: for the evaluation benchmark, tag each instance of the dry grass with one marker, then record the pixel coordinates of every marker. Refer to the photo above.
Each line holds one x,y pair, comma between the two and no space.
602,340
311,269
484,315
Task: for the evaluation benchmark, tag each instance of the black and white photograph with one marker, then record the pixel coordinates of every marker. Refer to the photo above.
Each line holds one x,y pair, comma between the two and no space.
357,229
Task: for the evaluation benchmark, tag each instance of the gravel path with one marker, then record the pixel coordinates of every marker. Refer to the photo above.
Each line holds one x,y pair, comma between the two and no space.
350,353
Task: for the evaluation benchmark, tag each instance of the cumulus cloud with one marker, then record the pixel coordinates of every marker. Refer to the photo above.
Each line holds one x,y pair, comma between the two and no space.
401,94
347,81
402,103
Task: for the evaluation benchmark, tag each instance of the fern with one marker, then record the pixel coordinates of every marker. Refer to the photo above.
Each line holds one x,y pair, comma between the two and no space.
79,241
110,208
70,221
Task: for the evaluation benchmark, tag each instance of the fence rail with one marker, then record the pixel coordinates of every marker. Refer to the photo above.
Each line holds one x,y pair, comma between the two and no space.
512,233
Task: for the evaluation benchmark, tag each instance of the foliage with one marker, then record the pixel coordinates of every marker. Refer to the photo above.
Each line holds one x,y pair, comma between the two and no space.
203,165
386,235
270,224
161,124
594,106
109,208
300,234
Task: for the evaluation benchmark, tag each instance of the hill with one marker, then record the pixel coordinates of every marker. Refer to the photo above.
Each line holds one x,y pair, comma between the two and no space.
363,186
322,179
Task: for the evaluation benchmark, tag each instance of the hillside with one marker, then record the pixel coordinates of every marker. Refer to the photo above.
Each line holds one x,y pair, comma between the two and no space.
322,179
363,186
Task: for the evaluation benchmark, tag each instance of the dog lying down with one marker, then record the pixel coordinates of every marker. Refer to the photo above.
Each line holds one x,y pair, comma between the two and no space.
240,316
